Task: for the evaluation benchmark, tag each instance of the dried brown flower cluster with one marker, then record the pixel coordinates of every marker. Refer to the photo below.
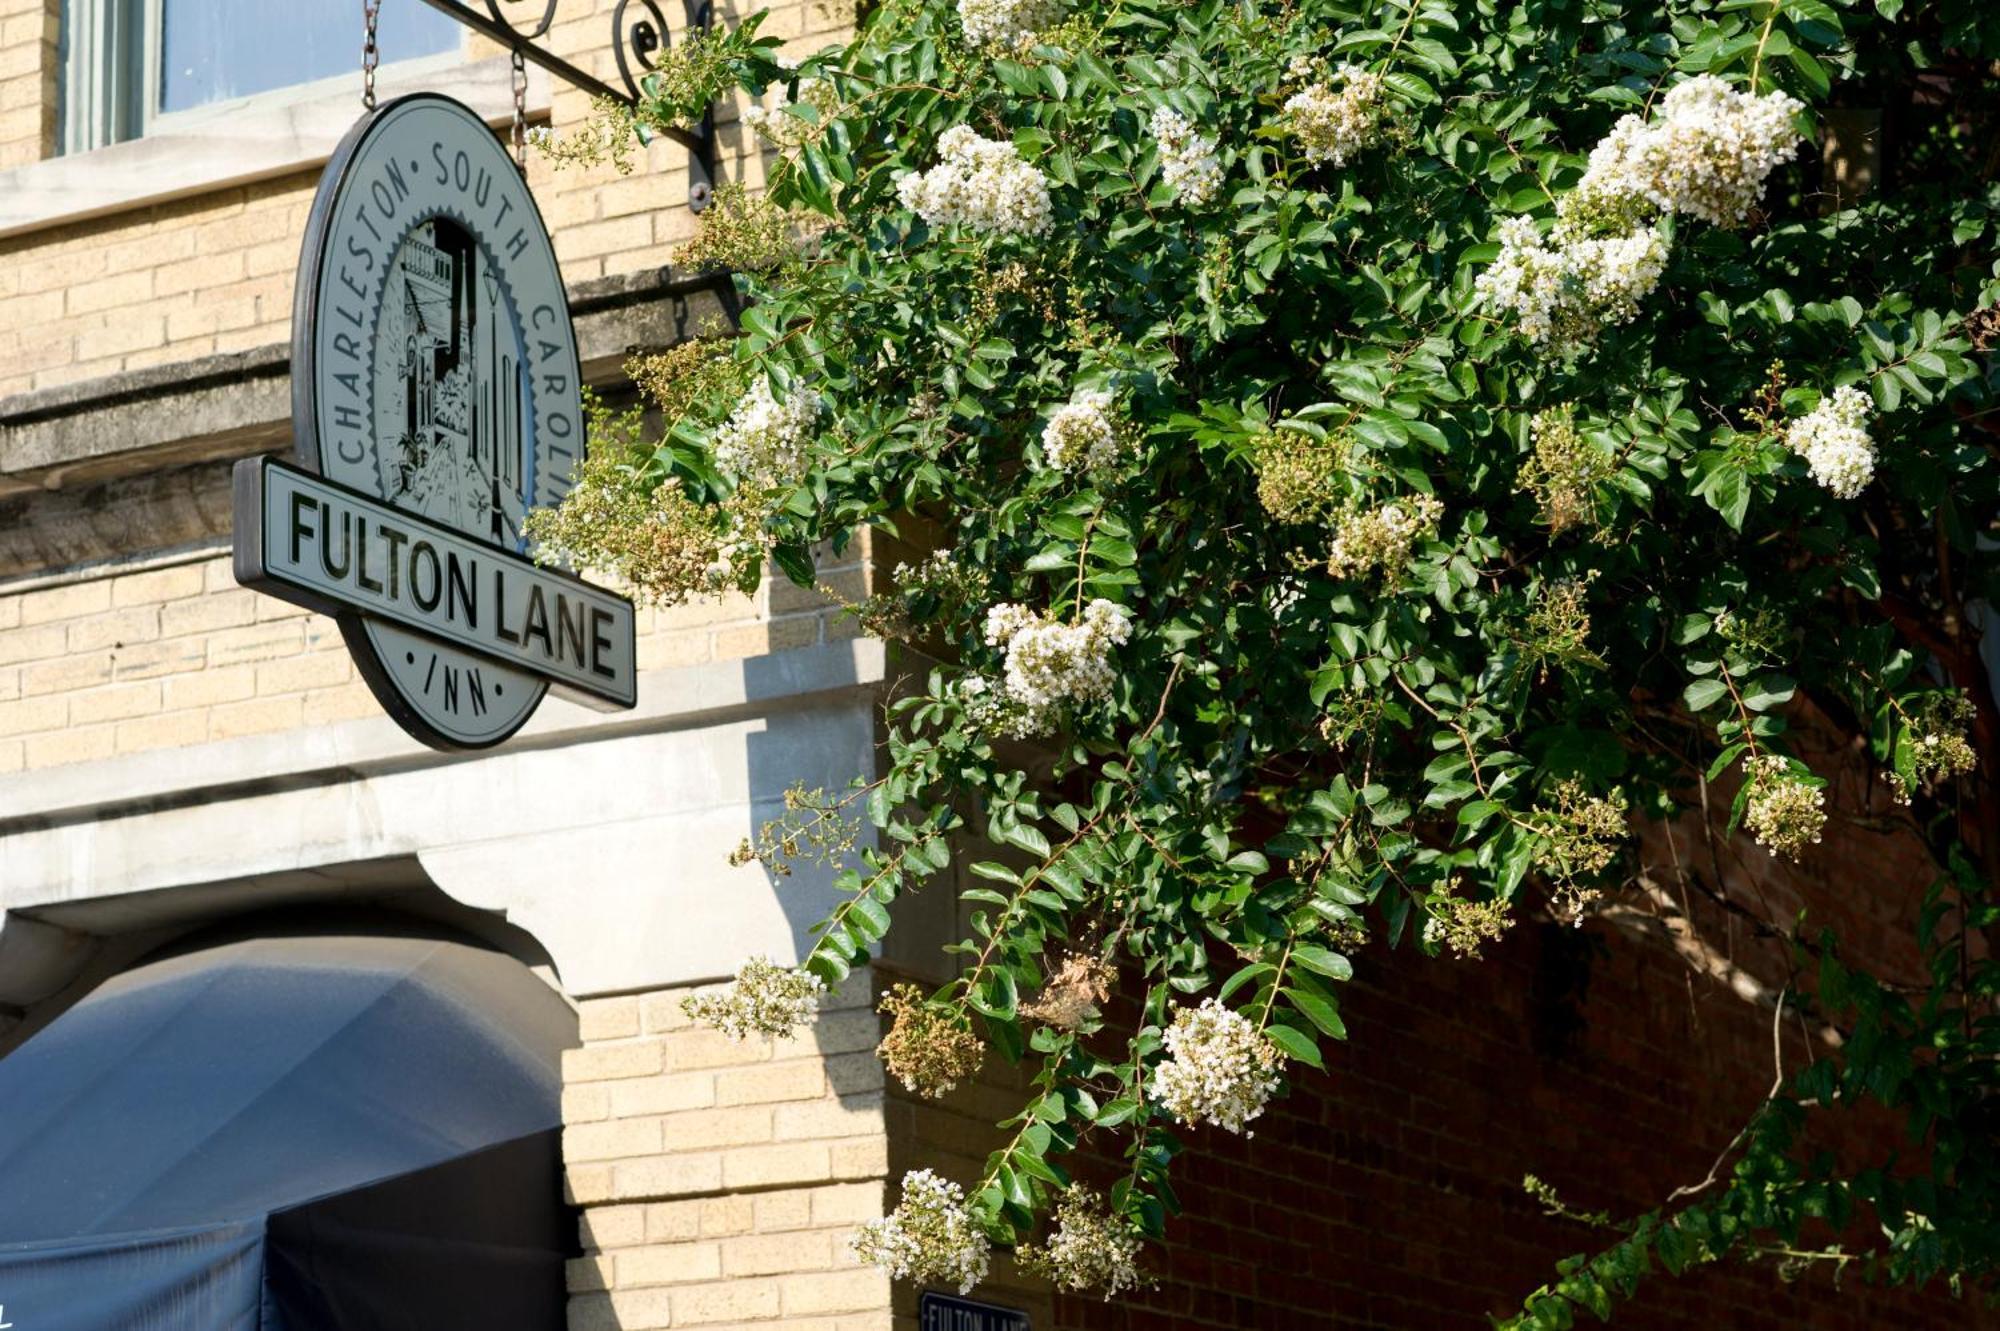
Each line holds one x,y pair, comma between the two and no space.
1564,470
1299,477
1983,328
743,232
1937,744
815,828
1463,926
929,1048
1072,994
1581,835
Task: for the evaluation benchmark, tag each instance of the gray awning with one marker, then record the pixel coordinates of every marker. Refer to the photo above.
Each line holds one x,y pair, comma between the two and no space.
290,1132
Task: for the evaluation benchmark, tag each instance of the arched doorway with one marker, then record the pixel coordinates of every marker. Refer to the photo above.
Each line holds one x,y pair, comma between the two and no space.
294,1123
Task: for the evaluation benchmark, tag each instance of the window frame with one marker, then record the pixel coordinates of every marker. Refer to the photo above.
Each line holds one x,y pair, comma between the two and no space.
96,79
112,53
276,139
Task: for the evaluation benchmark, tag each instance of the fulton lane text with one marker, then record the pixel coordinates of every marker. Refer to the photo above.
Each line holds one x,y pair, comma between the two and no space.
356,553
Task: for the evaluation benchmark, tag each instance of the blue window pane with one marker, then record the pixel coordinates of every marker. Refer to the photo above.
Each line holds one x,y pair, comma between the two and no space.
213,50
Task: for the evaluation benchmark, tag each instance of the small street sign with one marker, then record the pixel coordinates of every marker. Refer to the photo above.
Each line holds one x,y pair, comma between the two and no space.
949,1312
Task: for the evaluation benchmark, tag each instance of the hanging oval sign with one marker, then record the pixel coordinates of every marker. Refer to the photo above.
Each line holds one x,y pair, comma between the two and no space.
436,399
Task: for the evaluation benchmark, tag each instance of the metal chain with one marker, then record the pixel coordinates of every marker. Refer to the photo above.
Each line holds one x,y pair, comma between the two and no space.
370,55
520,112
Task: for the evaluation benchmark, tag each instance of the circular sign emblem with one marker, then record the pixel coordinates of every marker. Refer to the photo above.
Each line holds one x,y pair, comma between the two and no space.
434,368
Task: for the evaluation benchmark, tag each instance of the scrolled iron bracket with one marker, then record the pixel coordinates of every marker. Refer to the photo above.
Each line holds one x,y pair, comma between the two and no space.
639,35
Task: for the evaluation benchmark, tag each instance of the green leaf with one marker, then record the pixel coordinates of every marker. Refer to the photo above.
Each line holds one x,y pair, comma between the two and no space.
1702,694
1027,837
1318,1011
1323,961
1768,691
995,995
1114,551
1116,1112
1296,1044
872,914
795,561
1410,86
1254,971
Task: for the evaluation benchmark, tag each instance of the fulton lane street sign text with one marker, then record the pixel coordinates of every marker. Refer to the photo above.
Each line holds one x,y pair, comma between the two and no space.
949,1312
332,548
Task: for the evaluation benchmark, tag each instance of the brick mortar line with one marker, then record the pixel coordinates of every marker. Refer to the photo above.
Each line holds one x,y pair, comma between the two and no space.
745,1190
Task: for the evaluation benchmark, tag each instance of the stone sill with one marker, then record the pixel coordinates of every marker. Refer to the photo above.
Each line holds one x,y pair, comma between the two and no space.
258,139
670,699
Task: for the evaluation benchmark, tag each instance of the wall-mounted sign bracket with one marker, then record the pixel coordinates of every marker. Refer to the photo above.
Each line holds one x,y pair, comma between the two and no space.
638,34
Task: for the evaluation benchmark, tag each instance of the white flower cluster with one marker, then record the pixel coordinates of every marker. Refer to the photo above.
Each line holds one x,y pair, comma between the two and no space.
992,711
980,183
1833,439
1050,663
1081,434
1369,539
1334,125
764,440
1220,1069
1563,291
789,131
931,1235
1705,153
1011,23
1784,812
764,999
1187,160
737,545
1090,1250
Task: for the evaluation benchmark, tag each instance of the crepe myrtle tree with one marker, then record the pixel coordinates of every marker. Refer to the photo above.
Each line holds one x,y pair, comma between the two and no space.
1375,450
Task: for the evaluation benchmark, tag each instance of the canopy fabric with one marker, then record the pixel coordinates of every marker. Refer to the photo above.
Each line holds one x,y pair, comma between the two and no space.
290,1134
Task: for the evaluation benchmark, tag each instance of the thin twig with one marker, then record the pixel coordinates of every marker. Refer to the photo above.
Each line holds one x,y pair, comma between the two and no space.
1777,1084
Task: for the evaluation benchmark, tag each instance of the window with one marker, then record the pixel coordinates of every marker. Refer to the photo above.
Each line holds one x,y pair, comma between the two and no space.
138,67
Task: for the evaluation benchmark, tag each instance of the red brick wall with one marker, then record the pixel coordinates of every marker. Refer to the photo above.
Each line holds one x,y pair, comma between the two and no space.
1386,1193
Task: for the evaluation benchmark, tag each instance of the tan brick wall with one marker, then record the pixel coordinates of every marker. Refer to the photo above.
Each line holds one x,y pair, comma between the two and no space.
29,30
167,283
213,273
176,655
720,1180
